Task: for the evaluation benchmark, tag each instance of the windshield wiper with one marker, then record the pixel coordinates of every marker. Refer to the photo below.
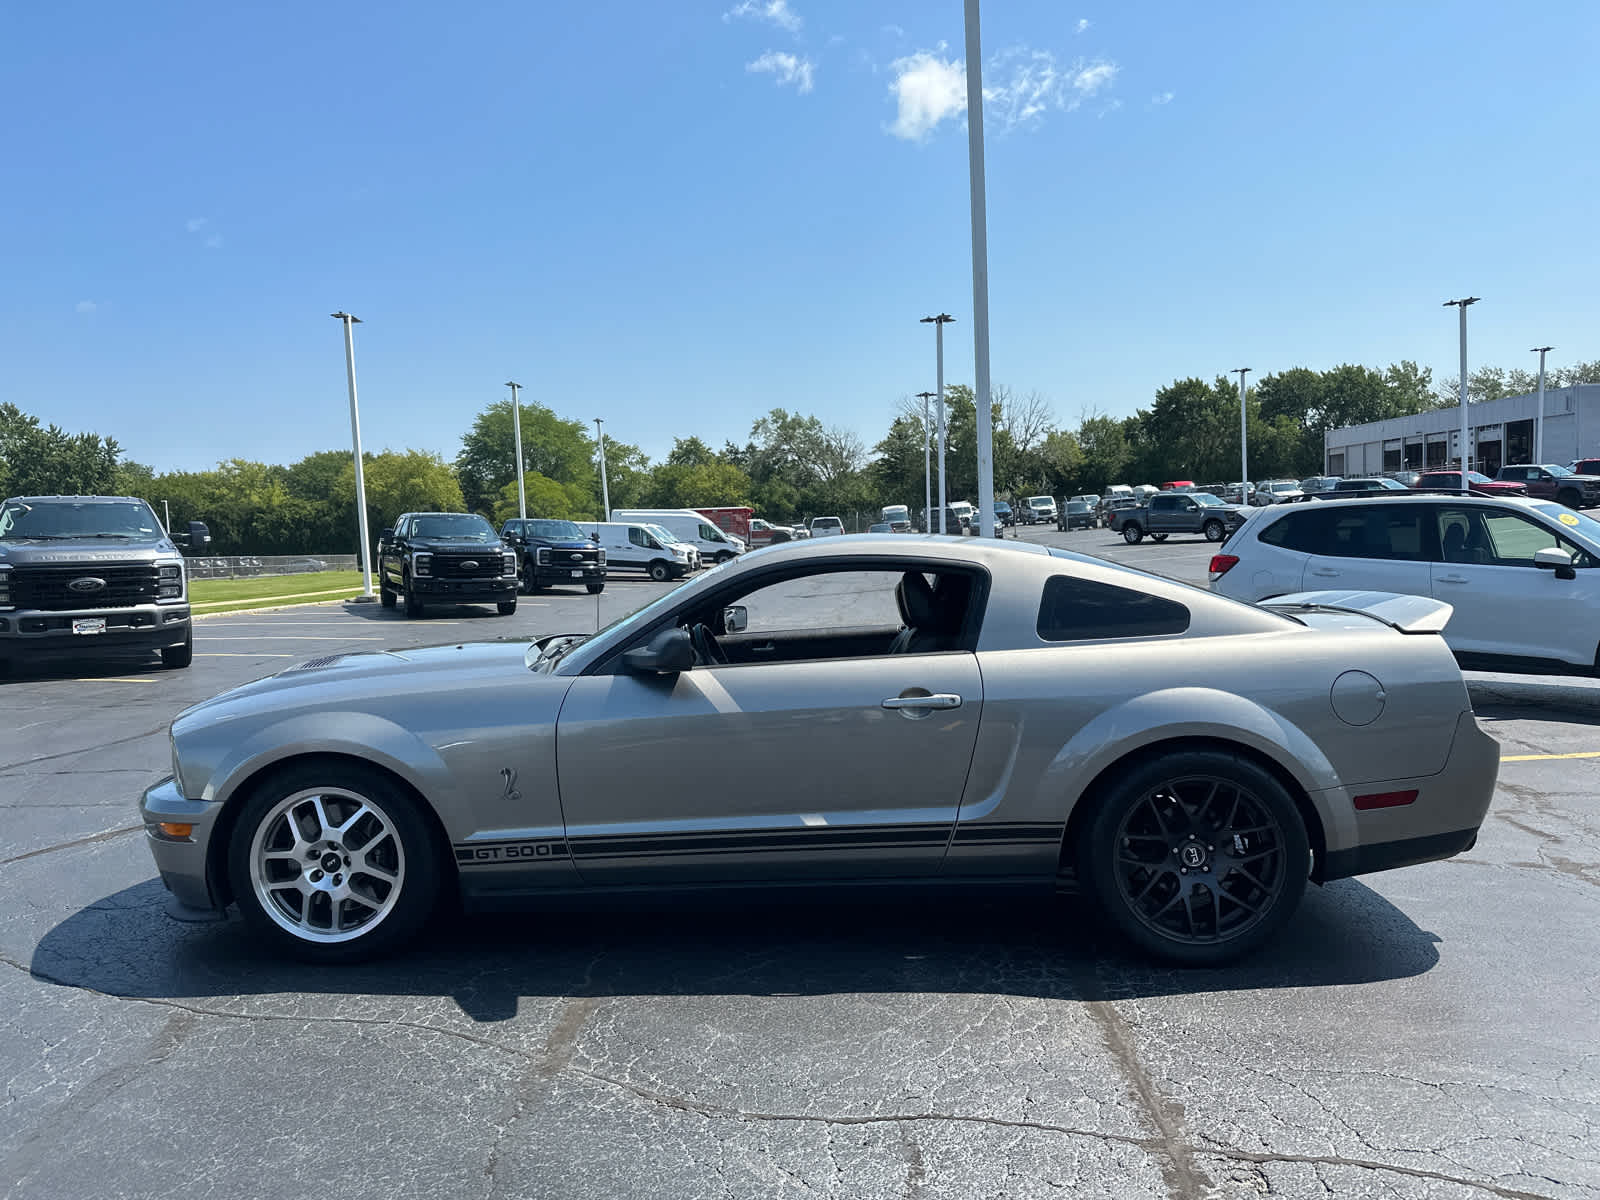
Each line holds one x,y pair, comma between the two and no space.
114,535
39,537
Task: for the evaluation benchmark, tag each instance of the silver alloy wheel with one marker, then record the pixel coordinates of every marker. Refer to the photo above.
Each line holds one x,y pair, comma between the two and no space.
1200,860
327,865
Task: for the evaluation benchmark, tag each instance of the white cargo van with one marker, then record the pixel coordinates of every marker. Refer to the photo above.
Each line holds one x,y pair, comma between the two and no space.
630,546
688,526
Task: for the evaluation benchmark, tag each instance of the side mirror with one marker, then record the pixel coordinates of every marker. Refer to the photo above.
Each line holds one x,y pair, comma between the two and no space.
595,537
199,535
1553,558
668,653
735,618
386,534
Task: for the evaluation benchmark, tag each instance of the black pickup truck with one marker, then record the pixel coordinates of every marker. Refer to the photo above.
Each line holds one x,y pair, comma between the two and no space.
550,552
445,558
91,576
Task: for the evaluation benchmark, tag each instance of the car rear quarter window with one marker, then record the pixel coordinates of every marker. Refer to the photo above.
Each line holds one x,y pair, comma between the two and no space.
1081,610
1352,531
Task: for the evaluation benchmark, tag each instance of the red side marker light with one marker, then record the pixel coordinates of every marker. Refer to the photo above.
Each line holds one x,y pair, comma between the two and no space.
1221,564
1385,800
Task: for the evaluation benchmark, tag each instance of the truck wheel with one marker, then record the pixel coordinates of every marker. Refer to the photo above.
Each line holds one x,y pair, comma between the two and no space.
660,571
506,607
530,580
594,589
386,596
1158,537
1214,531
1570,498
175,657
1132,534
723,556
1196,857
413,604
333,862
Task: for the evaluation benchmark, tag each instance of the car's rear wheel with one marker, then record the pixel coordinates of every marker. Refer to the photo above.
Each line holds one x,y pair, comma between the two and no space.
660,571
333,862
1132,534
594,589
1197,857
1214,531
176,657
506,607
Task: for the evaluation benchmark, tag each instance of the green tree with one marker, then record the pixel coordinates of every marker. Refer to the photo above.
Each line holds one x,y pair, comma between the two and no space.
47,460
556,448
1106,455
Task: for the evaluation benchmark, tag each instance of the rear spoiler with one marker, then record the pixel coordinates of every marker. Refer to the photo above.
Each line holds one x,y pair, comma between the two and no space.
1407,614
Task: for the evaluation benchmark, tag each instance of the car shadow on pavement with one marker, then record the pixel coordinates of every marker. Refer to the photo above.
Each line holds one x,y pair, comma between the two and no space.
1569,702
125,945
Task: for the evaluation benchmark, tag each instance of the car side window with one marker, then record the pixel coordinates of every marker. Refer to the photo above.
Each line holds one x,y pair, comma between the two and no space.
636,536
403,529
1162,503
1512,540
1083,610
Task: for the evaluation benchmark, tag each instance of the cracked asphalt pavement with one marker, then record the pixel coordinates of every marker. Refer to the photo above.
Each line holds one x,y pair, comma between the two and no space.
1432,1032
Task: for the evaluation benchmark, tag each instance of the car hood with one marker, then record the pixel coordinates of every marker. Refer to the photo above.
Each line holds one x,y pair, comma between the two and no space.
20,551
455,543
563,543
348,677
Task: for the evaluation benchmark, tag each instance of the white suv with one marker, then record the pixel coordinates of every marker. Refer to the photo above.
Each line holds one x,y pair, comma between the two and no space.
826,526
1520,574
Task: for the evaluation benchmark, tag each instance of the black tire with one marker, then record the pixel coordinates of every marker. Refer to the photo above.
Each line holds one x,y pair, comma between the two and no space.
594,589
1570,498
723,556
176,657
660,571
1214,531
386,596
399,839
1194,801
1132,534
413,603
1158,537
530,580
506,607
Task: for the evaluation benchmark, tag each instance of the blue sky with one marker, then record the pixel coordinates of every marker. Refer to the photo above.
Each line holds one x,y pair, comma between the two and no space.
679,215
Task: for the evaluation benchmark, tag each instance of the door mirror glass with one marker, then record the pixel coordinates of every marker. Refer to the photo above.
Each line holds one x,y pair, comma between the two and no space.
668,653
386,534
199,535
735,618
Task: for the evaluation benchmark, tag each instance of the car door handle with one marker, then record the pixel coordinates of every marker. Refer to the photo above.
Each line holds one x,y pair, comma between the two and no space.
943,700
765,648
1326,572
1452,579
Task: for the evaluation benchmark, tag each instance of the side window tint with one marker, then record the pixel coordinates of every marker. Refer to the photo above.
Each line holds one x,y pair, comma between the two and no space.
1080,610
636,535
1302,531
1514,540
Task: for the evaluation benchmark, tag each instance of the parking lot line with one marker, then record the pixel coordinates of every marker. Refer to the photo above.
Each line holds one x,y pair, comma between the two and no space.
119,679
289,637
1548,757
237,654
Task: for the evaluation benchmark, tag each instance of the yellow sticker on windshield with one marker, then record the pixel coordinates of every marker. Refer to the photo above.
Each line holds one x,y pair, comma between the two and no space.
1568,518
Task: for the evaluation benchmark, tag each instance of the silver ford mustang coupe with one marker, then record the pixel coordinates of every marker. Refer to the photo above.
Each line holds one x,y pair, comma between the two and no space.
925,711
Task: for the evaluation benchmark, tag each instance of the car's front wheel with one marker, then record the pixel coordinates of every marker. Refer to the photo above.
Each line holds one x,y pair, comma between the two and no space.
506,607
594,589
1158,537
1132,534
530,578
660,571
1570,498
1214,531
1196,857
333,862
176,657
413,602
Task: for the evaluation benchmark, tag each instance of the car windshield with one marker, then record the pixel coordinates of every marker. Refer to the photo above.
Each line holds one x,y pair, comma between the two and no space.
1558,472
1204,499
555,529
465,526
60,519
1578,523
1477,477
662,534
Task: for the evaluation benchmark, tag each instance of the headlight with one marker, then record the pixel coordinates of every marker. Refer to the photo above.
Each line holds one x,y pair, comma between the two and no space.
169,582
602,559
544,556
422,564
508,563
5,587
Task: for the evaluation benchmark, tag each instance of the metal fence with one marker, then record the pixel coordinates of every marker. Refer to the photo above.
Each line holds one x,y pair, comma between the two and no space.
245,566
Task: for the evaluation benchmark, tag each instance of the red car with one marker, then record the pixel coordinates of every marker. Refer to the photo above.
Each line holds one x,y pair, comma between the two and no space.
1476,481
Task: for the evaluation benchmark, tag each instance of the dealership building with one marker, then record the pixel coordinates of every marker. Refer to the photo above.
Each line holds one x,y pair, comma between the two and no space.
1500,433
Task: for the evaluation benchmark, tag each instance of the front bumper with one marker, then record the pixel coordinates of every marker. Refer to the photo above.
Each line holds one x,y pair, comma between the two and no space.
465,591
180,860
558,574
1443,820
27,633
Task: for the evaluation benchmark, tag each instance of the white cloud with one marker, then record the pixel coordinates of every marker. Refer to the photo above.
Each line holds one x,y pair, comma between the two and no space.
1090,79
195,224
787,69
1083,24
777,12
1022,86
927,88
1162,98
85,306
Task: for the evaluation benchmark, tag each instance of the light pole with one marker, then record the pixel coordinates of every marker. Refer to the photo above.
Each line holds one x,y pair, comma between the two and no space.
605,489
167,518
980,274
1463,304
938,323
355,439
516,435
1538,419
1244,440
927,461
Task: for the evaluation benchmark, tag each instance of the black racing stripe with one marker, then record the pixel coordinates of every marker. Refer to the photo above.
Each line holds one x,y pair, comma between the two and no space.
702,844
809,833
1011,831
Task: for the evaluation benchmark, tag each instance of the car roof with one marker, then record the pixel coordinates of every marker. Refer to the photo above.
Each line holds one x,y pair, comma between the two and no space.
1275,511
76,499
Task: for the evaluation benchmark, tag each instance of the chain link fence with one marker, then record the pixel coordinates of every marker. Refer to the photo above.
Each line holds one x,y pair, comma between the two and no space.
247,566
